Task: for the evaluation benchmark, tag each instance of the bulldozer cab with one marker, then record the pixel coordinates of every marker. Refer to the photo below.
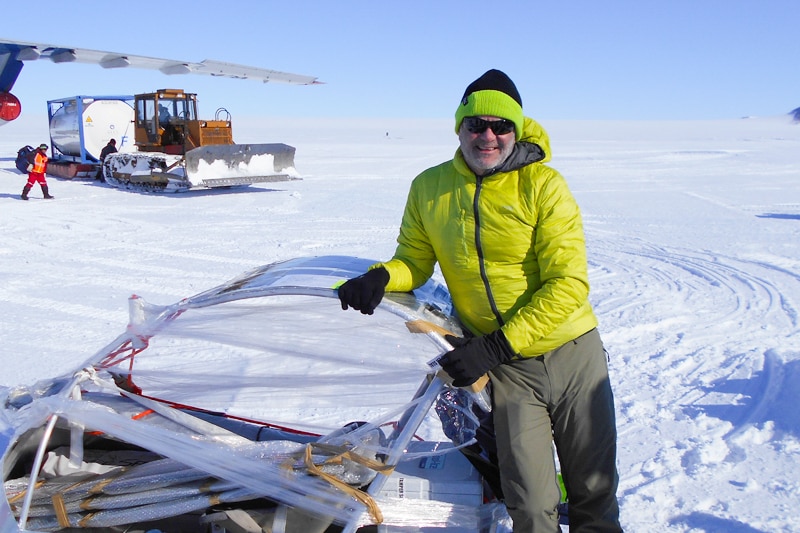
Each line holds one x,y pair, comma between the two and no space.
166,121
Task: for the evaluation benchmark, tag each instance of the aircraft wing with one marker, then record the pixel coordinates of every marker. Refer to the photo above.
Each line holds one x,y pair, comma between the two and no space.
30,51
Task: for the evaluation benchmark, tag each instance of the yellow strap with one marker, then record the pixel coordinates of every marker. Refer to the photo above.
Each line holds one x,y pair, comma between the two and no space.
206,487
86,504
98,488
479,384
424,326
20,495
86,519
341,452
362,497
61,509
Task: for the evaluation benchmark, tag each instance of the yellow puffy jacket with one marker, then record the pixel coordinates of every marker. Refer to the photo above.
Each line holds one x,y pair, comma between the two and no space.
510,247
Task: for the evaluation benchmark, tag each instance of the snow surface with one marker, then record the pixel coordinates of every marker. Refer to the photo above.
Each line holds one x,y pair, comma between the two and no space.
692,232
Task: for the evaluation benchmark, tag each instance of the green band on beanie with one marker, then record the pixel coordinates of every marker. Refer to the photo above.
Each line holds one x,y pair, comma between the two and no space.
491,103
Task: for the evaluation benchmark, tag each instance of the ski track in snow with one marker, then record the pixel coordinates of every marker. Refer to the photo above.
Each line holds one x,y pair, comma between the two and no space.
692,235
680,306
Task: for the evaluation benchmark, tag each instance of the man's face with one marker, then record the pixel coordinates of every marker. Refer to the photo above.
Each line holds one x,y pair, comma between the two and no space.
486,150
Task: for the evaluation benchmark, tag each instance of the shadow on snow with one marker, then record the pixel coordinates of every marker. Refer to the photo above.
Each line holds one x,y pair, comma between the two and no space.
769,395
786,216
707,523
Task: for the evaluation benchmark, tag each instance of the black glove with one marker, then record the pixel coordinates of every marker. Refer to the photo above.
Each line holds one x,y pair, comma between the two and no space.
365,292
471,358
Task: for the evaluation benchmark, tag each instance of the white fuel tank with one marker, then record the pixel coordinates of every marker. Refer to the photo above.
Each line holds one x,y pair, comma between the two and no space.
101,120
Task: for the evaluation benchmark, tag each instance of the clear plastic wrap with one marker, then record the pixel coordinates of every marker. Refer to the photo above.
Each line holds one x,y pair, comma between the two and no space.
259,388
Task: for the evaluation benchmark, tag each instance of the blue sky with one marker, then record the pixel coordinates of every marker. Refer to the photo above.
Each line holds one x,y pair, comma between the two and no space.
627,59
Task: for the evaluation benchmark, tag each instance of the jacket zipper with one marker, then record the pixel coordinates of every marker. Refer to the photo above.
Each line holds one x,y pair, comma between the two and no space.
479,251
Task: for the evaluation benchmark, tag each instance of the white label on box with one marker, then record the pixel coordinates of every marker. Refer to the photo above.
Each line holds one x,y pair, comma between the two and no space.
434,462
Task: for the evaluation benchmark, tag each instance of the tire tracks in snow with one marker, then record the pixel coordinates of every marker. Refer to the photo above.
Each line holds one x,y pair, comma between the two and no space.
666,315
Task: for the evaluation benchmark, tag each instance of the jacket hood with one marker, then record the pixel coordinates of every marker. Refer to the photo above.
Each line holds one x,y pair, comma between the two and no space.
534,133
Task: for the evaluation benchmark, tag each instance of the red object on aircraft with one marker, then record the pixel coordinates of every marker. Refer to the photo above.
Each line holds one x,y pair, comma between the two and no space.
10,108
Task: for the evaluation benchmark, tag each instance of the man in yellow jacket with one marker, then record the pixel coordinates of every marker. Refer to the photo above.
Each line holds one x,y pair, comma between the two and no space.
508,237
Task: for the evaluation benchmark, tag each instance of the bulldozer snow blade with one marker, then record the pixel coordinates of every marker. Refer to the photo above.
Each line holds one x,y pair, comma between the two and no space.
236,156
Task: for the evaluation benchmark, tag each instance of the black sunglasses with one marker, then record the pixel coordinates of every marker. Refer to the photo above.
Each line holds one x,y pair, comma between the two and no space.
498,127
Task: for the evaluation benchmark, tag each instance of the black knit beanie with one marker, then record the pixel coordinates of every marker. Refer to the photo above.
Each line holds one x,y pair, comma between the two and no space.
493,94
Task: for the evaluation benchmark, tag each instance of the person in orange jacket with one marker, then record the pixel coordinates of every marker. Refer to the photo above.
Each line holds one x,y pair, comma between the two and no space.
37,166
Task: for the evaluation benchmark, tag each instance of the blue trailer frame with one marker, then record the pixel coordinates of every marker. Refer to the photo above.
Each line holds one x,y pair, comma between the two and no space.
83,165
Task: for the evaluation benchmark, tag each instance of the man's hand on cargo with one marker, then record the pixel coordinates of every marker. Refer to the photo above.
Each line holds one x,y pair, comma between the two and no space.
365,292
473,357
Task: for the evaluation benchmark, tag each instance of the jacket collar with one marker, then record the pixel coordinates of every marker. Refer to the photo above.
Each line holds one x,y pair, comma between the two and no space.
533,147
523,154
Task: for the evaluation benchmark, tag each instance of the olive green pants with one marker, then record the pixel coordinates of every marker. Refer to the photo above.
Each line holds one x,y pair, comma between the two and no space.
563,396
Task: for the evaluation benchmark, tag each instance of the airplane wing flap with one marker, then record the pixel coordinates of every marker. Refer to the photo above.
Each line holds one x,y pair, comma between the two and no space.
29,51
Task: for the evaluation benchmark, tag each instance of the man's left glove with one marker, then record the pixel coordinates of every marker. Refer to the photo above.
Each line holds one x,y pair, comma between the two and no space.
472,358
365,292
29,167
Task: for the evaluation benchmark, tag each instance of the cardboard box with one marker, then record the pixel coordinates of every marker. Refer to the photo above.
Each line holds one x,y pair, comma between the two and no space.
448,478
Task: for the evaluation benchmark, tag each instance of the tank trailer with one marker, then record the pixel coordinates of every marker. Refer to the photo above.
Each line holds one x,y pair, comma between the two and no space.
162,144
